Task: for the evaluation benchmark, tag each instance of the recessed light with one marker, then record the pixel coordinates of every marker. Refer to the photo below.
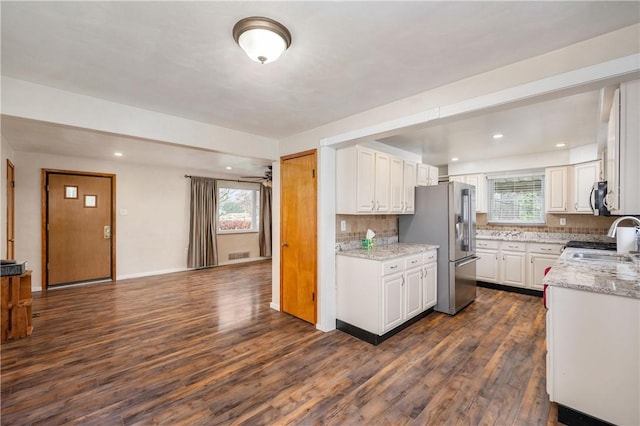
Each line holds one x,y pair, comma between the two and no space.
117,154
455,159
560,145
498,136
228,167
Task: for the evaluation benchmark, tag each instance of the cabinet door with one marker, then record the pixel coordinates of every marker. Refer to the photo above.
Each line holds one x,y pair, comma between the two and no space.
556,189
430,286
397,185
422,174
392,302
537,264
382,182
456,179
513,268
433,175
487,266
479,181
365,194
613,155
584,176
413,292
409,187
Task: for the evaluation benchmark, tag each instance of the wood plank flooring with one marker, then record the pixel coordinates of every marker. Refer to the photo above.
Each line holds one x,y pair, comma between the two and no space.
203,347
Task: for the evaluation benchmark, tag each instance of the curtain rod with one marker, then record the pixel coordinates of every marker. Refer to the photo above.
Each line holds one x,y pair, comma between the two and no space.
228,180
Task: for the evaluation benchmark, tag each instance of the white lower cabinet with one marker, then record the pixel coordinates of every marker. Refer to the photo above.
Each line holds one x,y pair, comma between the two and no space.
593,353
517,264
512,267
378,296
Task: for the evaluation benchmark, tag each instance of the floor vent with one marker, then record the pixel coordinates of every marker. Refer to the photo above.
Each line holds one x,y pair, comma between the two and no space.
239,255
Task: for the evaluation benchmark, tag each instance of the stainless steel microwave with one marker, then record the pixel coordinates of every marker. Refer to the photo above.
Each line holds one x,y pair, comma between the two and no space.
598,199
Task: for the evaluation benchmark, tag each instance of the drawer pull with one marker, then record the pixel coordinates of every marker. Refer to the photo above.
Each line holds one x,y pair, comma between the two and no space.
393,267
414,261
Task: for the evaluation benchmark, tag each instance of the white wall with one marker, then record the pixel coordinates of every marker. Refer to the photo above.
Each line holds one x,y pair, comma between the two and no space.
151,238
6,153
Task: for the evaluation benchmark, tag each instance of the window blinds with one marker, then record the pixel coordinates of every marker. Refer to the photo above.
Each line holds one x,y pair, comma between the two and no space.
516,199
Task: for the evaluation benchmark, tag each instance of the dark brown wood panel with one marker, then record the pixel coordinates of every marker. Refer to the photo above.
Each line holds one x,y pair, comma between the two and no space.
203,347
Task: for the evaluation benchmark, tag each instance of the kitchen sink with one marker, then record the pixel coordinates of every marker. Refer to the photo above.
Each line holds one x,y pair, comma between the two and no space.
601,257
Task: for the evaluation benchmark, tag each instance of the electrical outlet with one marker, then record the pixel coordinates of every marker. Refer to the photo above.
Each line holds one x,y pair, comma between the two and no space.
563,221
343,225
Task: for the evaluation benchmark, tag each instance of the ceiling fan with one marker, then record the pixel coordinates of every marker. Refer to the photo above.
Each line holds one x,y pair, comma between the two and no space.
265,180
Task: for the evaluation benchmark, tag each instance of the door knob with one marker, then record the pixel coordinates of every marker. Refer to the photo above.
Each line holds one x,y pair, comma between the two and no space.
285,244
107,232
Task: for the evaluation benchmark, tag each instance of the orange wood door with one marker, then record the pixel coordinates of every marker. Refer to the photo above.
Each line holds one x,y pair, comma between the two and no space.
298,237
79,212
11,242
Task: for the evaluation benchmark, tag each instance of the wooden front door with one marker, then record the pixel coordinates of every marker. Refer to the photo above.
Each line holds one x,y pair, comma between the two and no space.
11,187
79,227
298,237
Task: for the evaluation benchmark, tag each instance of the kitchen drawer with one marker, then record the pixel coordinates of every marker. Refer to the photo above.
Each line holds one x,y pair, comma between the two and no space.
513,246
414,261
430,257
487,244
393,266
545,248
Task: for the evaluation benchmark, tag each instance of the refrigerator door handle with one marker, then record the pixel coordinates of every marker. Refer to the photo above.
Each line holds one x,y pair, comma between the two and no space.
466,220
466,262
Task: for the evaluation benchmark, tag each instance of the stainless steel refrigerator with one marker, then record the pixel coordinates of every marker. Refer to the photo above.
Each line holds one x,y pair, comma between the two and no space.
445,214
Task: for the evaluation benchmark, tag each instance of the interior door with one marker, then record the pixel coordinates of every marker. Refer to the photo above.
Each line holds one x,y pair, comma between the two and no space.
11,172
298,237
79,228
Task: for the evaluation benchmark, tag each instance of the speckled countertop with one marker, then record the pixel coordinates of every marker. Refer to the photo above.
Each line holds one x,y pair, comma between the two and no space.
539,237
388,251
599,276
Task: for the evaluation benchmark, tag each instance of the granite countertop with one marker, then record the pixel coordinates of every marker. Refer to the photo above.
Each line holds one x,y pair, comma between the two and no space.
539,237
388,251
608,277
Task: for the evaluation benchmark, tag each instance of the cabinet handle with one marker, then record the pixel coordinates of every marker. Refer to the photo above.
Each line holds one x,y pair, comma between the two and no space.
496,257
576,206
377,205
402,280
503,258
414,261
532,260
393,267
421,274
373,205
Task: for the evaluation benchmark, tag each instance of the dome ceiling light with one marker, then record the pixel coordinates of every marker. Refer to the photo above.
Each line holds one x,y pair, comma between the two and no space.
263,39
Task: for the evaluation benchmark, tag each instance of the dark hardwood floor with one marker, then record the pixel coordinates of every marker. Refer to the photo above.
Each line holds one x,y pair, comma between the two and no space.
204,347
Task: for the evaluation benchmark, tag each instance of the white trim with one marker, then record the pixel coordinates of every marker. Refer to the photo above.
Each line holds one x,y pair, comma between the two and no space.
274,306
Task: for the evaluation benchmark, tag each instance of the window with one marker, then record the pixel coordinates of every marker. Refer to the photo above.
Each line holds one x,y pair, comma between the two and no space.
516,199
238,207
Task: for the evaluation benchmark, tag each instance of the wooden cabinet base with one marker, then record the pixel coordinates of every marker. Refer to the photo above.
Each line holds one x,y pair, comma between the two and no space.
15,306
373,338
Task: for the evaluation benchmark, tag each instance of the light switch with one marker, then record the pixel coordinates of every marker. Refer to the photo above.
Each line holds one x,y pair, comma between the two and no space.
123,212
563,221
343,225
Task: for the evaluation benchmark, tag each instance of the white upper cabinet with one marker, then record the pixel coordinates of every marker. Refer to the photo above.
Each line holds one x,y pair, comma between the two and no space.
373,182
426,175
623,151
480,182
556,194
397,185
409,187
585,175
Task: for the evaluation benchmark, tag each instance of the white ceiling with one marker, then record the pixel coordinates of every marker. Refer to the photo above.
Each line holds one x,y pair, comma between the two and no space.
346,57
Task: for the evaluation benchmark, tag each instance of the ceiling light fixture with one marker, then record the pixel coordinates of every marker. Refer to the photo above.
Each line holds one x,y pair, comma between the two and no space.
117,154
498,136
228,167
263,39
561,145
455,159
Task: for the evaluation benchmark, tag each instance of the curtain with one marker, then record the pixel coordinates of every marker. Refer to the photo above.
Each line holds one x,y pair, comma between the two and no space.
202,228
264,236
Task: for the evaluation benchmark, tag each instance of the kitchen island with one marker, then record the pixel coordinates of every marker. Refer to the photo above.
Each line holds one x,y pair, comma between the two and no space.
385,289
593,336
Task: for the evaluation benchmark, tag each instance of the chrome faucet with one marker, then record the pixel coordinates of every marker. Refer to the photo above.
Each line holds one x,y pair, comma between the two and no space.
614,226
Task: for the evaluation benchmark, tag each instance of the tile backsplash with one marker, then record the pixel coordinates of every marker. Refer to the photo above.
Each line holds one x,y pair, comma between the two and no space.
385,226
576,224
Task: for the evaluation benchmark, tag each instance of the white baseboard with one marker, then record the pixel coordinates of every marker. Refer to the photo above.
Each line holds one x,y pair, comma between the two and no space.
249,259
274,306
